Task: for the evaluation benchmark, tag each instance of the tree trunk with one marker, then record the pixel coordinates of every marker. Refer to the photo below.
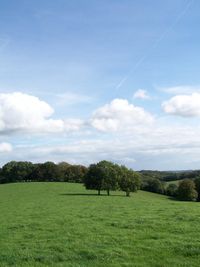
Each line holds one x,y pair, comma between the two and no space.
99,192
108,192
127,193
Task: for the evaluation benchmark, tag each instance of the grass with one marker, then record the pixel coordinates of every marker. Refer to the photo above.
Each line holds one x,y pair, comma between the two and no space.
60,224
174,182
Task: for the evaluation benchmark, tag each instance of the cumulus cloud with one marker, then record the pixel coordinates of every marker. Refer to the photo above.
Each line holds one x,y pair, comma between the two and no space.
27,113
133,137
183,105
5,147
119,114
141,94
154,147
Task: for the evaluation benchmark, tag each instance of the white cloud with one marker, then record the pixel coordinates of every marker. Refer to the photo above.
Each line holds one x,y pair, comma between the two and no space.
183,105
73,124
27,113
181,89
5,147
130,136
119,115
23,112
155,147
141,94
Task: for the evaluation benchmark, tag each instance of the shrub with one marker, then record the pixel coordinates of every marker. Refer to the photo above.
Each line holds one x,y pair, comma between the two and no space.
171,190
186,190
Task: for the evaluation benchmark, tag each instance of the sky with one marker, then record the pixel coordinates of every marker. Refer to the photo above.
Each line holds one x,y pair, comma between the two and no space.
86,80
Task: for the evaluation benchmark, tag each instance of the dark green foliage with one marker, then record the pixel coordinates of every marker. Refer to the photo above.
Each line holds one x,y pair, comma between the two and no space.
2,177
109,174
171,190
75,173
129,181
186,190
23,171
62,169
94,178
189,174
160,175
17,171
197,186
169,175
47,171
153,185
71,173
102,176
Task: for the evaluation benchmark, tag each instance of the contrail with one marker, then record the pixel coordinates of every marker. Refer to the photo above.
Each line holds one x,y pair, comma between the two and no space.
156,43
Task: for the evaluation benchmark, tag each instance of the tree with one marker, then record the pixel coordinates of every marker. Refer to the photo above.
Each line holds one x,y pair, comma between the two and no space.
47,171
186,190
153,185
17,171
129,180
75,173
109,175
171,190
197,185
94,178
3,179
102,176
62,170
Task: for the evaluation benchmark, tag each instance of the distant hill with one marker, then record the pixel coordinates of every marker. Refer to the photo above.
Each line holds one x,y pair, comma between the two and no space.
169,175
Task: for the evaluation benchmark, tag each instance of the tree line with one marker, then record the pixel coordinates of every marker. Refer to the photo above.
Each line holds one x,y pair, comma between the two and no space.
105,176
167,176
24,171
187,189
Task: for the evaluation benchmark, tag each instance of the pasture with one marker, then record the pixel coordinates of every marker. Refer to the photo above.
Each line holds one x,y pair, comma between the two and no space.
62,224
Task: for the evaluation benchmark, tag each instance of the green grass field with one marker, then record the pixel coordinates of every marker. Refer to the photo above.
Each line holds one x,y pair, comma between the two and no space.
60,224
174,182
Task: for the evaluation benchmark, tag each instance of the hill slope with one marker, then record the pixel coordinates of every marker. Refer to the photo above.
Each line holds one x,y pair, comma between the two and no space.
60,224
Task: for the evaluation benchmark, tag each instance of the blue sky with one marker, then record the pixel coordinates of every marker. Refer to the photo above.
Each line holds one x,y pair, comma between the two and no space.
82,81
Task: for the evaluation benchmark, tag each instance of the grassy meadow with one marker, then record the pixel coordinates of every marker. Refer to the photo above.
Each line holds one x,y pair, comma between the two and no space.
62,224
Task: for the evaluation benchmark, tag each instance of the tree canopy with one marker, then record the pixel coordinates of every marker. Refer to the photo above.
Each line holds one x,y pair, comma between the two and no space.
23,171
186,190
129,180
108,176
